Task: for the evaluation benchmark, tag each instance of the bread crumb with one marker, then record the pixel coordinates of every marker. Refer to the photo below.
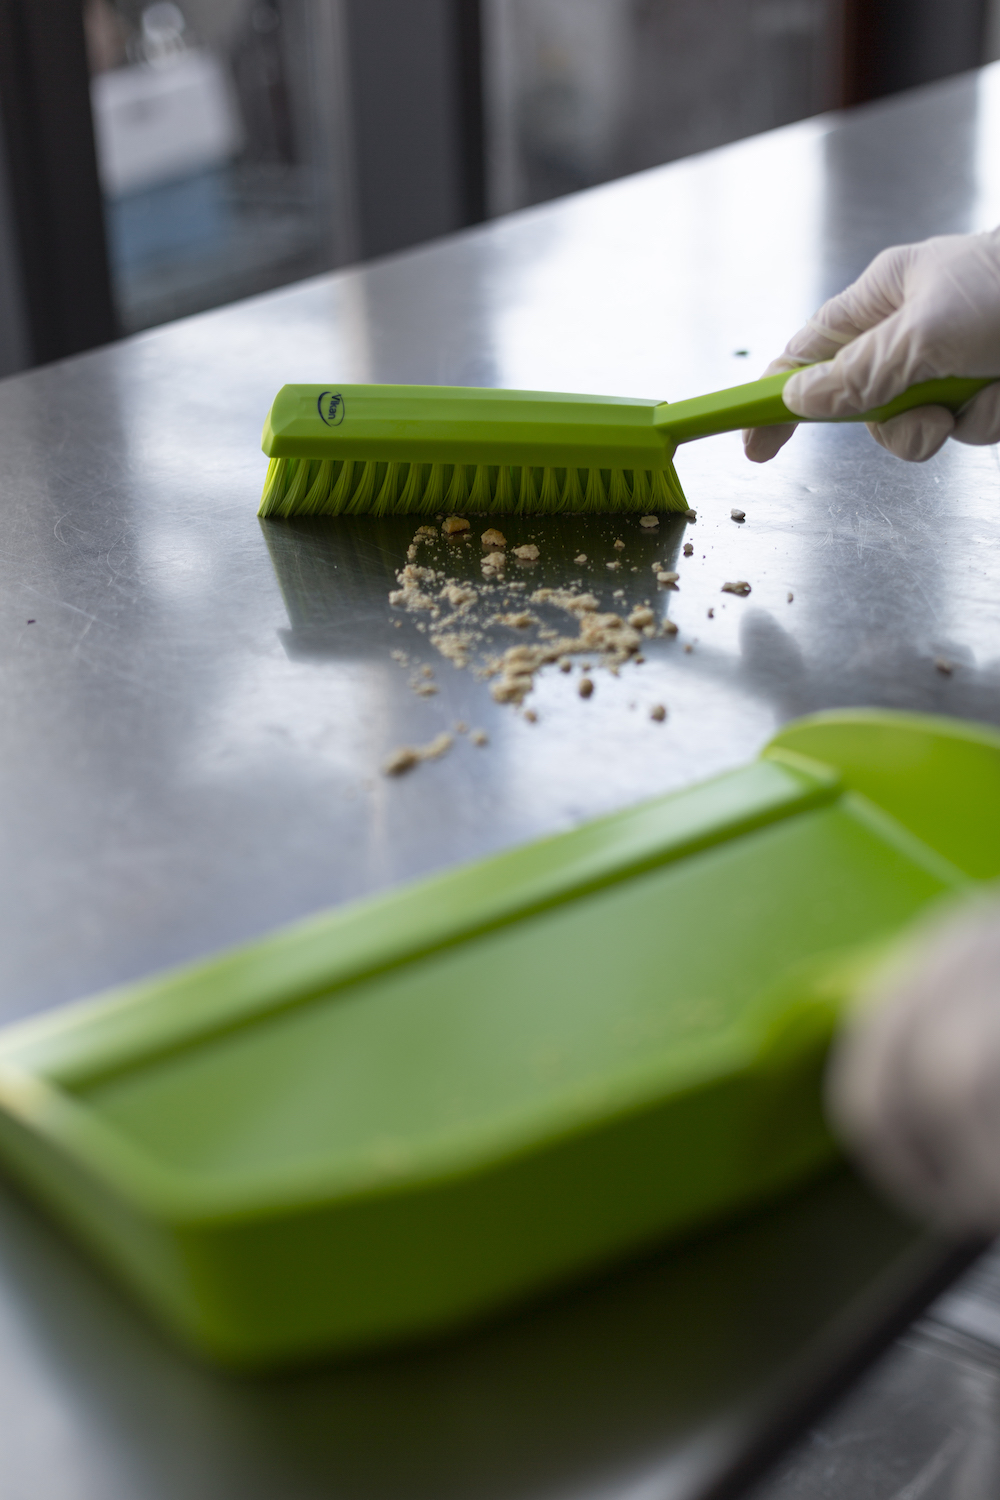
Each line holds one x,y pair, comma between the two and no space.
649,520
690,515
613,566
639,660
658,712
531,716
618,594
791,596
424,689
411,552
519,621
641,616
943,665
688,549
527,553
619,545
581,559
740,586
494,562
669,628
669,580
688,647
494,538
461,727
427,671
459,595
566,665
585,687
711,614
407,756
403,759
426,531
439,745
479,737
455,524
737,515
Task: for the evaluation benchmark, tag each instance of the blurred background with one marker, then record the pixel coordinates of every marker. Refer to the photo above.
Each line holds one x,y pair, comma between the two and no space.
158,159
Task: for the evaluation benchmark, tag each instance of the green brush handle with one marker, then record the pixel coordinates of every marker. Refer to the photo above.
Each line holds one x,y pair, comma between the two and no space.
759,404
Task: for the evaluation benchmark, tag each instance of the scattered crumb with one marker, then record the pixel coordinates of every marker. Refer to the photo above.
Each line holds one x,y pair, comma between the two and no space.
688,549
426,531
461,727
619,545
640,661
737,514
618,594
711,614
585,688
641,616
531,716
943,665
649,520
791,596
658,712
740,587
688,647
411,552
669,580
424,689
439,745
427,671
459,595
581,559
494,538
407,756
566,665
400,656
403,759
527,553
633,569
494,562
669,627
614,566
691,515
519,621
479,737
455,524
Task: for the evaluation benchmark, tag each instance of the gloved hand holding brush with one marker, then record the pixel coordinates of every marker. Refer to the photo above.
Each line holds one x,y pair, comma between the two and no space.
917,313
914,1083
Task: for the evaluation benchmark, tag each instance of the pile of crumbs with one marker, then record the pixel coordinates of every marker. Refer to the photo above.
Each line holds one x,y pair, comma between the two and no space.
458,616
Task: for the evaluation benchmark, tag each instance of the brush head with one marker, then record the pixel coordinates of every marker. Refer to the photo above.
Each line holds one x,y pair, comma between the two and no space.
418,450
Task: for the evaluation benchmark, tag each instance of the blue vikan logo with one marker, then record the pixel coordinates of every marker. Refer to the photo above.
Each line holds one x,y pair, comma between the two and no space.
331,407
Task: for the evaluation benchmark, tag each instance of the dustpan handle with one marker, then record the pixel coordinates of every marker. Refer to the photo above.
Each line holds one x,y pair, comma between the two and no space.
759,404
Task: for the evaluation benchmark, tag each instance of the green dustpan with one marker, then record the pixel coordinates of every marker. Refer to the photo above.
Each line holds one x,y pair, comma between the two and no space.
399,1116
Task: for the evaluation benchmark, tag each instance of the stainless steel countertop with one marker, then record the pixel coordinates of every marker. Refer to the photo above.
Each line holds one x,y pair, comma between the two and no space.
195,718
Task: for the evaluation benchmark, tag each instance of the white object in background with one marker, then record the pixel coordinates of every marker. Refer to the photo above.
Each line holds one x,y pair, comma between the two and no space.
156,124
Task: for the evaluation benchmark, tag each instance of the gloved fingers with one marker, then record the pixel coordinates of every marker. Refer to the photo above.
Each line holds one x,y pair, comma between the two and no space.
762,443
914,1081
916,435
871,370
878,292
979,423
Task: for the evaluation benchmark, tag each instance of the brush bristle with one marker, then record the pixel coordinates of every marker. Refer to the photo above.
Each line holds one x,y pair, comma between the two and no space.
314,487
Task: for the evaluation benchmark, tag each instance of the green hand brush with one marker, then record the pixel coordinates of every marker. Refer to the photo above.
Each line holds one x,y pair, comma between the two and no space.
417,450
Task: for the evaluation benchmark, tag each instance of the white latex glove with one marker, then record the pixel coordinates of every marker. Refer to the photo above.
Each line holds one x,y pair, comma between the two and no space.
917,313
913,1084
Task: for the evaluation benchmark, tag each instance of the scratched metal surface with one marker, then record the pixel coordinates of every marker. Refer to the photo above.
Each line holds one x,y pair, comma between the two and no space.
195,708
